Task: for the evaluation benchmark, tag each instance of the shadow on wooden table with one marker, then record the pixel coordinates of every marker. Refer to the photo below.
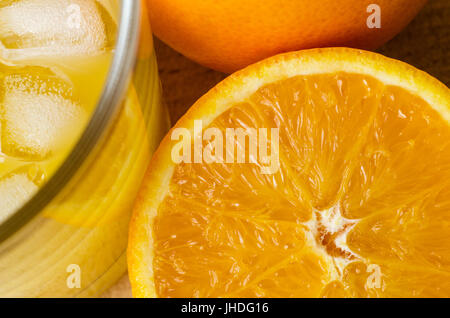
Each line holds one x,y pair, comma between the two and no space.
425,43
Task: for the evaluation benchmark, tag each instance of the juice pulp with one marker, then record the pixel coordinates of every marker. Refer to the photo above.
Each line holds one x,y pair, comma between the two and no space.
76,246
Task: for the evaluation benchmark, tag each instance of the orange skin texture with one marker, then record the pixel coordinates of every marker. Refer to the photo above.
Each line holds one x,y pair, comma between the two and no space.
227,35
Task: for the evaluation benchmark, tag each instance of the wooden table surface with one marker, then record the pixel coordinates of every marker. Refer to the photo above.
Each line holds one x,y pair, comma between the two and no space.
425,43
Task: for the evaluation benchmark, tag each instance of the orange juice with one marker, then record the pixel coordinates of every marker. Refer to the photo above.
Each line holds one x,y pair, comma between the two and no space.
54,60
48,55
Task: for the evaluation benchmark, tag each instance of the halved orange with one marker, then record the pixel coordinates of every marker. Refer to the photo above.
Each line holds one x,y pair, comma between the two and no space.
360,204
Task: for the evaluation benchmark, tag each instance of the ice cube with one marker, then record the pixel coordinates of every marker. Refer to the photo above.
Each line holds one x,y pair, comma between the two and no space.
15,190
48,28
39,114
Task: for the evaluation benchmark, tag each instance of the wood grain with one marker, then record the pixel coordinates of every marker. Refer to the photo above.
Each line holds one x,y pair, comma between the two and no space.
425,43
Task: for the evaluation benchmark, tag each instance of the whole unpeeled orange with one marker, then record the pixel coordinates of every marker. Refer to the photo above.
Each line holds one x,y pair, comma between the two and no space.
227,35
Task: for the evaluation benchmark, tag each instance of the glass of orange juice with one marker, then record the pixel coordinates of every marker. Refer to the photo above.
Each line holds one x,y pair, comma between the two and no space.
80,115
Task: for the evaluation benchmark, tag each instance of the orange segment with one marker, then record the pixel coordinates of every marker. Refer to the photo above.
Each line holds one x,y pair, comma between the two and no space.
405,157
335,289
359,206
417,234
323,120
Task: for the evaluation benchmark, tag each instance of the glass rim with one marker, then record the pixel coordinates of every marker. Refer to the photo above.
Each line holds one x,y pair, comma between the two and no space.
105,112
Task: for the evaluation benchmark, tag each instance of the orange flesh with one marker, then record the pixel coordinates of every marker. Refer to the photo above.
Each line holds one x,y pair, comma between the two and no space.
373,157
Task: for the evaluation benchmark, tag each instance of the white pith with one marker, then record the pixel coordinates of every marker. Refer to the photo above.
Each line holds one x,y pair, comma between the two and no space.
333,221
